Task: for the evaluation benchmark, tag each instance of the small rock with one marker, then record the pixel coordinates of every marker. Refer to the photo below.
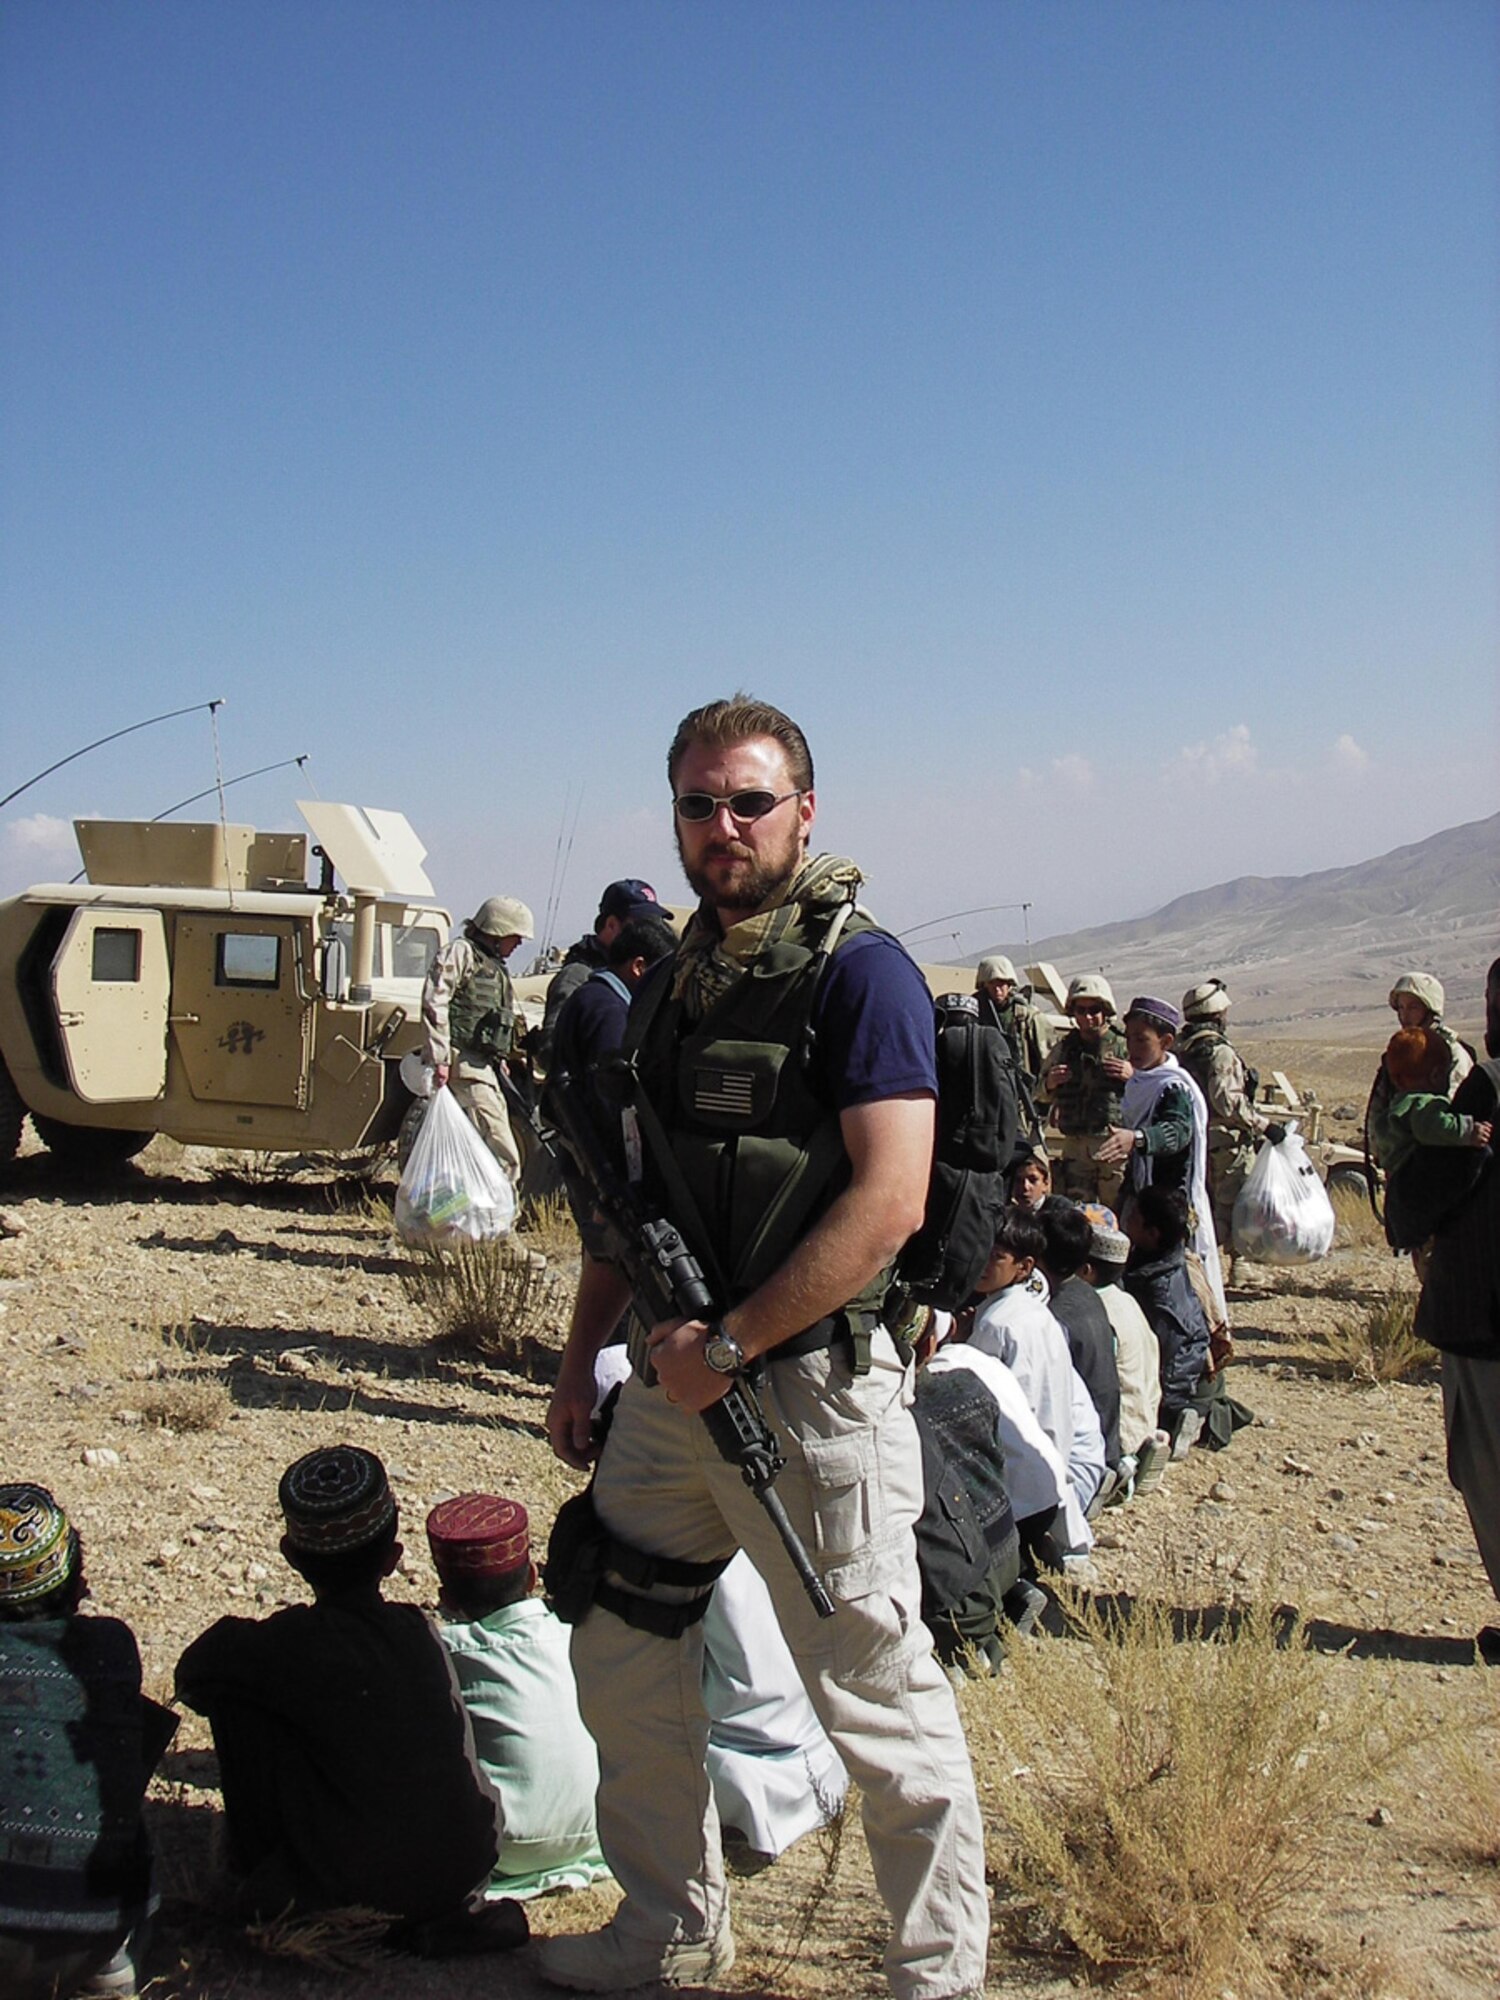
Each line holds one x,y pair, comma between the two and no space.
1345,1544
129,1417
256,1573
1221,1490
293,1362
101,1456
1370,1439
1322,1525
1371,1527
1295,1465
367,1299
194,1538
1380,1817
225,1242
167,1554
205,1493
12,1222
1385,1499
1337,1493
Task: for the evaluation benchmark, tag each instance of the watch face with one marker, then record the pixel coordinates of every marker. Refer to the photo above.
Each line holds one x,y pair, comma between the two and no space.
723,1354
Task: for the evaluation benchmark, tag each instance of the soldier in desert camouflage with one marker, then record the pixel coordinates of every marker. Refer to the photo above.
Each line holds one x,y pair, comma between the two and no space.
1085,1073
469,1012
1235,1127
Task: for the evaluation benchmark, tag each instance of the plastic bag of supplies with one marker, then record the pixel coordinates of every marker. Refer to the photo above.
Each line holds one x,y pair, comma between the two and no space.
452,1187
1282,1215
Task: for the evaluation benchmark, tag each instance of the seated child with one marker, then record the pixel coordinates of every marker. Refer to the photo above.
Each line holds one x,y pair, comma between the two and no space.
1426,1177
1031,1180
1156,1222
1068,1237
1137,1358
80,1742
1016,1325
511,1658
346,1758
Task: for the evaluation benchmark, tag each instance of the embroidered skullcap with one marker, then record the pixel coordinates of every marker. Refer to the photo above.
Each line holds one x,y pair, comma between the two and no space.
38,1549
478,1535
336,1499
1160,1012
1422,986
1416,1059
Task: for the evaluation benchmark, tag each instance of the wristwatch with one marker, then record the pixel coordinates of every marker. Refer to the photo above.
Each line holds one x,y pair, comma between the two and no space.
722,1351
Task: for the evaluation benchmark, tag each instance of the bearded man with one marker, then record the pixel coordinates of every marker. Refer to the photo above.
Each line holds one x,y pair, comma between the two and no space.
787,1083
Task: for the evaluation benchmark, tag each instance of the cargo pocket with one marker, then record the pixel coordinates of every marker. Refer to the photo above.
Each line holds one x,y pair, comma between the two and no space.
844,1489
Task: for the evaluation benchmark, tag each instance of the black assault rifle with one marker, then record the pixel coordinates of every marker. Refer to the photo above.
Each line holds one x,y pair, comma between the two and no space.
667,1282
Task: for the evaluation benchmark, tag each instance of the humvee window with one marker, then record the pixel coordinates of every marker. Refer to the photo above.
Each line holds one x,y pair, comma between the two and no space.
343,930
413,948
248,958
117,956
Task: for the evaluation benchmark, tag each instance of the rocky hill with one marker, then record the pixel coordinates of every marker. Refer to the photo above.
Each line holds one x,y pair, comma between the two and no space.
1316,953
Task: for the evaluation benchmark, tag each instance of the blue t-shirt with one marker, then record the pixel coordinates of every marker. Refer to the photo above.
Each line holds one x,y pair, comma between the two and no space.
874,1025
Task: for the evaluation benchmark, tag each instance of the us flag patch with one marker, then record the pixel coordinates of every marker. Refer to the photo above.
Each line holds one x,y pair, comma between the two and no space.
725,1093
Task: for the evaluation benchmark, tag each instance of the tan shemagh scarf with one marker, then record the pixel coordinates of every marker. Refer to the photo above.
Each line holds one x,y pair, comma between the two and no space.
708,962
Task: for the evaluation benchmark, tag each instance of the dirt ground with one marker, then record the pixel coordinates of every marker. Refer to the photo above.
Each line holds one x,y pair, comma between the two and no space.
270,1312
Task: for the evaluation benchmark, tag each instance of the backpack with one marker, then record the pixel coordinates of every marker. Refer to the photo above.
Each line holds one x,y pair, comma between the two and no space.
978,1121
966,1526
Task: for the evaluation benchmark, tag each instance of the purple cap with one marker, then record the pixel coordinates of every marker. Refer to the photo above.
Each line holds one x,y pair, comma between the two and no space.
628,899
1162,1012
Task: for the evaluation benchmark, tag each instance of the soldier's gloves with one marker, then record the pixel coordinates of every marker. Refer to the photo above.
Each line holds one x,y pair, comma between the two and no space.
1276,1133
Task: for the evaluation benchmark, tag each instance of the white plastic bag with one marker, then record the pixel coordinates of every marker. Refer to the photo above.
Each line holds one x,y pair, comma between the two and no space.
453,1187
1282,1215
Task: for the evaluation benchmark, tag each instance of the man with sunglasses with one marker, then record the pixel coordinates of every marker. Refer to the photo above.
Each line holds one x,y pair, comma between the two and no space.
783,1119
1086,1072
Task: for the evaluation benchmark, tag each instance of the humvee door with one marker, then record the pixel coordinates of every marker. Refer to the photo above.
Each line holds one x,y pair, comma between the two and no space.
110,987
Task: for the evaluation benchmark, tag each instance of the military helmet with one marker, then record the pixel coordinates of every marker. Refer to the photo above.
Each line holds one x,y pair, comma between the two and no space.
503,916
1424,987
1204,1002
997,966
1090,986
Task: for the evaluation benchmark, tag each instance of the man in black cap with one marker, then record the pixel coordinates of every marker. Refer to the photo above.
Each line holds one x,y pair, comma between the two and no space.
621,903
346,1757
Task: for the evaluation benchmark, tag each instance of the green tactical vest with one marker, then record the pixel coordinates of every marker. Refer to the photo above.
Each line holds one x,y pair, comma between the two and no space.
758,1153
1089,1102
482,1012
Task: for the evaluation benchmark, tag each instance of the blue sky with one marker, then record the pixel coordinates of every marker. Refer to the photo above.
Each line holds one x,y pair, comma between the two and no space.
1082,417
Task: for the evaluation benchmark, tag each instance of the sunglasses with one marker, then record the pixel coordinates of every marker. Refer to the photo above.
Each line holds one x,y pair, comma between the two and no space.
1083,1012
743,806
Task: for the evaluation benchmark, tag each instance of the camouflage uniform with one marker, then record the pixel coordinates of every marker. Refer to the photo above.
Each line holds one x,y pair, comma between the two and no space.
1234,1124
1083,1109
475,987
1022,1027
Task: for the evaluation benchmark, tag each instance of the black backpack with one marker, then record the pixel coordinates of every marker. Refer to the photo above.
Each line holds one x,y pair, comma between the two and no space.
978,1121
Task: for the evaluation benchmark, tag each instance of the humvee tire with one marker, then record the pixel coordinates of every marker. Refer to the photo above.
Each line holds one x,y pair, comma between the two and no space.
12,1118
93,1147
1348,1180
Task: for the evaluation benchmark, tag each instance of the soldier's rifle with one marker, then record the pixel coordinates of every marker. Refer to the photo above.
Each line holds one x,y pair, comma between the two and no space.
667,1282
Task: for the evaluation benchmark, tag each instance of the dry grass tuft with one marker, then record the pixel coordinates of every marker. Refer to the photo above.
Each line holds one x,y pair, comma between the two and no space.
1355,1223
184,1405
332,1941
496,1298
179,1391
1469,1796
1156,1802
547,1225
1380,1344
838,1818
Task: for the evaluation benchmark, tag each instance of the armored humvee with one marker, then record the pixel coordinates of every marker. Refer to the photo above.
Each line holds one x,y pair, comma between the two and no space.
197,984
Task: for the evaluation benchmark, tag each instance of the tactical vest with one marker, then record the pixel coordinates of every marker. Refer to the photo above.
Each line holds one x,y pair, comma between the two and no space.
482,1012
1089,1102
1200,1042
756,1155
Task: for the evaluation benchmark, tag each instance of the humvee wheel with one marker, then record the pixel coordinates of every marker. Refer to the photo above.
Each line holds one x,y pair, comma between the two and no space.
12,1117
96,1147
1347,1180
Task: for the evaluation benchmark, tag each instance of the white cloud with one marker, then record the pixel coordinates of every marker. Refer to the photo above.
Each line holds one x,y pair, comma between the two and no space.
1348,758
1074,772
1229,755
39,848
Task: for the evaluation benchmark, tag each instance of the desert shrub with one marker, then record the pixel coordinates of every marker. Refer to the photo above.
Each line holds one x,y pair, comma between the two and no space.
547,1225
1355,1222
180,1405
1153,1802
1472,1804
179,1389
1380,1342
496,1297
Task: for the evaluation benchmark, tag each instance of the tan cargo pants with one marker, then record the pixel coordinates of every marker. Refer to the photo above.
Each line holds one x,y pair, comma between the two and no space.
853,1488
480,1098
1080,1176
